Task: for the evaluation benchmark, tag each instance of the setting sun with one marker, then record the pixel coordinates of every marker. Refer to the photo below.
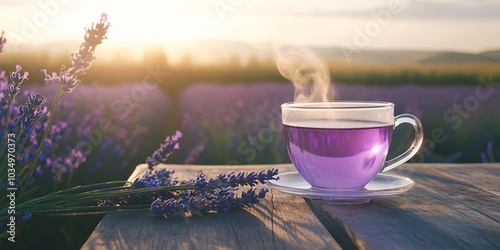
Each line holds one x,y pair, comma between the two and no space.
176,25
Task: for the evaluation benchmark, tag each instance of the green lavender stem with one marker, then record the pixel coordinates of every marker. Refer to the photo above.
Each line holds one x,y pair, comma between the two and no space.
25,181
5,130
73,200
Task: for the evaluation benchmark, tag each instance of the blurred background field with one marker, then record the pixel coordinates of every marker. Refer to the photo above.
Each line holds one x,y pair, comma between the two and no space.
229,109
206,68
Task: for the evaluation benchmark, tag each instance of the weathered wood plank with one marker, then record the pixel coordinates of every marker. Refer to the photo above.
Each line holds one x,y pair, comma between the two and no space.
453,206
280,222
450,207
482,176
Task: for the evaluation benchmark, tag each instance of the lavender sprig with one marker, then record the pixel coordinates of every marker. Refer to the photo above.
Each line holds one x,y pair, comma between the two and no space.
16,79
162,177
152,179
217,194
28,111
197,196
170,144
68,80
81,60
234,180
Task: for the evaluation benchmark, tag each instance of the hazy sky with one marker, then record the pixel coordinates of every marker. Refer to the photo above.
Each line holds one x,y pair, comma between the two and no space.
462,25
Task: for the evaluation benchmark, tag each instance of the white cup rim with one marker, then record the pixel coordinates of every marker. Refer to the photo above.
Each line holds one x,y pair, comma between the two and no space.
337,105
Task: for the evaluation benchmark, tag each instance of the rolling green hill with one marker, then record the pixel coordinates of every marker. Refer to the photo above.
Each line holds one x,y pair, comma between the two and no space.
457,57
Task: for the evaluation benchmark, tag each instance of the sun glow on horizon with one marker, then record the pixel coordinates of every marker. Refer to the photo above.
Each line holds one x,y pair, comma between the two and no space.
177,24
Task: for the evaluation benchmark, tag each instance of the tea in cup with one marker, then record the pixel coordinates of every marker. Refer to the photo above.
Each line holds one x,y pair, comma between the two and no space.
344,144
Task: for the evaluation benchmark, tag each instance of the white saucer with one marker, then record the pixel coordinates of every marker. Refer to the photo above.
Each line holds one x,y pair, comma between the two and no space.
383,184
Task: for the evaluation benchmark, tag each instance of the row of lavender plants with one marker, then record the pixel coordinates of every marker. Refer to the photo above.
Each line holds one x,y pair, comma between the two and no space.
88,139
237,124
241,124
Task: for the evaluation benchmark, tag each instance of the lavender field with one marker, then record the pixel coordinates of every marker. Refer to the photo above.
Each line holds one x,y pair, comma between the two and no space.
99,133
104,132
240,124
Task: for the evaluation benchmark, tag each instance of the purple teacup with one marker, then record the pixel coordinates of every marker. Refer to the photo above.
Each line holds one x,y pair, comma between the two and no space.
344,144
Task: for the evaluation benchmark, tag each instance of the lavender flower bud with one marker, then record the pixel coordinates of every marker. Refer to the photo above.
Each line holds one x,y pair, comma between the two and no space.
267,175
12,90
263,192
16,76
68,82
27,110
166,148
37,99
249,198
50,79
157,208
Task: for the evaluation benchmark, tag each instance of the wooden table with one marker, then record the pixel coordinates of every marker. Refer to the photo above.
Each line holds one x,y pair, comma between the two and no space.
452,206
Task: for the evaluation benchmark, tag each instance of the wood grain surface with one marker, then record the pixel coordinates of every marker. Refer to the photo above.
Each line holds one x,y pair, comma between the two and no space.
452,206
280,221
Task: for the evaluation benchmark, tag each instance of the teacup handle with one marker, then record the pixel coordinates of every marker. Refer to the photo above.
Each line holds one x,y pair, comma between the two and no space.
415,146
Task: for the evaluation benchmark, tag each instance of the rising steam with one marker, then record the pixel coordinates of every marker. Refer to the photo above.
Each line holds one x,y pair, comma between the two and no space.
307,71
